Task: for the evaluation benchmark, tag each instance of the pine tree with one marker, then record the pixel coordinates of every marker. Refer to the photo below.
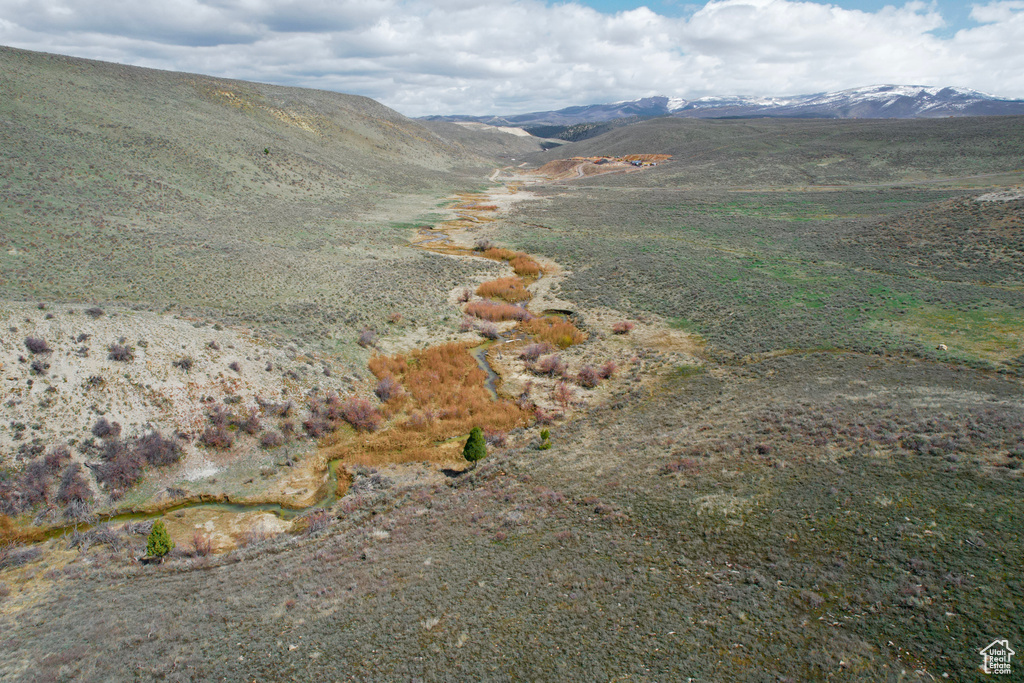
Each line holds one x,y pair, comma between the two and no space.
476,447
159,542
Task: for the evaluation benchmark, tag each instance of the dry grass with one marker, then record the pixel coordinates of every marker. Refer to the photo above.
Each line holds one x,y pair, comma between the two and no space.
510,289
445,397
521,263
525,266
553,330
496,312
499,254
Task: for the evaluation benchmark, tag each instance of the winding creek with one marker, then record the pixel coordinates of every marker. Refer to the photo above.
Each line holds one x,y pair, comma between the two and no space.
433,239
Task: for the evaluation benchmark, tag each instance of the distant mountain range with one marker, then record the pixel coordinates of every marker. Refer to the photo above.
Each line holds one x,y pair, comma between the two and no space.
872,102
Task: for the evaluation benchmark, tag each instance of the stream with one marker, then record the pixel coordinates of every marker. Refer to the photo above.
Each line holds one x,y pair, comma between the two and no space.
434,238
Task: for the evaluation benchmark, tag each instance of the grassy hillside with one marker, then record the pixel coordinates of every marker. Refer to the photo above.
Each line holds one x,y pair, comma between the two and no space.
797,152
280,208
803,463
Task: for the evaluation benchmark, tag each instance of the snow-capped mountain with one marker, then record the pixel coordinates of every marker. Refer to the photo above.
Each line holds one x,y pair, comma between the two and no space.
876,101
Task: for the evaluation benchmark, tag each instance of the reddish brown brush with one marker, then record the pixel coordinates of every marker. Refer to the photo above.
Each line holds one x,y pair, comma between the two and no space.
525,266
447,396
553,330
497,312
510,289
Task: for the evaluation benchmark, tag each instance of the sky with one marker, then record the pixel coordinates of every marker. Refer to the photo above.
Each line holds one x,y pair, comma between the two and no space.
515,56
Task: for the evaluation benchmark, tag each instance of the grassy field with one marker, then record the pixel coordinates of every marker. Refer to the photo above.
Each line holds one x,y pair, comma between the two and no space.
786,479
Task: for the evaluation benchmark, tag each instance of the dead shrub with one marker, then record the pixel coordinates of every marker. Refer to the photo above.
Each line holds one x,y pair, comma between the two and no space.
624,327
202,544
157,450
554,330
217,436
552,365
588,377
495,437
532,352
488,331
56,458
105,428
271,440
562,394
185,363
497,312
73,486
359,413
367,338
37,345
510,289
387,388
608,370
94,312
120,352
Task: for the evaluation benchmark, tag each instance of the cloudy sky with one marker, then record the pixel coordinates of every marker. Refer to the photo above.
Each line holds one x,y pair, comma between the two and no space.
513,56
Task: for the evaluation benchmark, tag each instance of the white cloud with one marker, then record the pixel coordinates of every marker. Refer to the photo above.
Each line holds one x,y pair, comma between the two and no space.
480,56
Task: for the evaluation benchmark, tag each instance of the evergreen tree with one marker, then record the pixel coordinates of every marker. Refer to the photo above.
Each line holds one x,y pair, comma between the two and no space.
476,447
159,542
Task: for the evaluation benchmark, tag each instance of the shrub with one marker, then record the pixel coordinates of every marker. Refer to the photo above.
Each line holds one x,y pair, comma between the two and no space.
122,471
488,330
94,312
185,363
202,544
271,440
475,448
588,377
497,312
483,244
216,437
159,542
367,338
510,289
37,345
388,388
532,352
525,266
550,365
360,414
608,370
562,394
120,352
464,296
73,486
467,325
235,367
554,330
213,345
157,450
38,367
624,327
104,428
314,522
56,458
495,437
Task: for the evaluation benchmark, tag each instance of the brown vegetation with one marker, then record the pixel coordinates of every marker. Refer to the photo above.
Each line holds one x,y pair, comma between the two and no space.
553,330
510,289
446,397
497,312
